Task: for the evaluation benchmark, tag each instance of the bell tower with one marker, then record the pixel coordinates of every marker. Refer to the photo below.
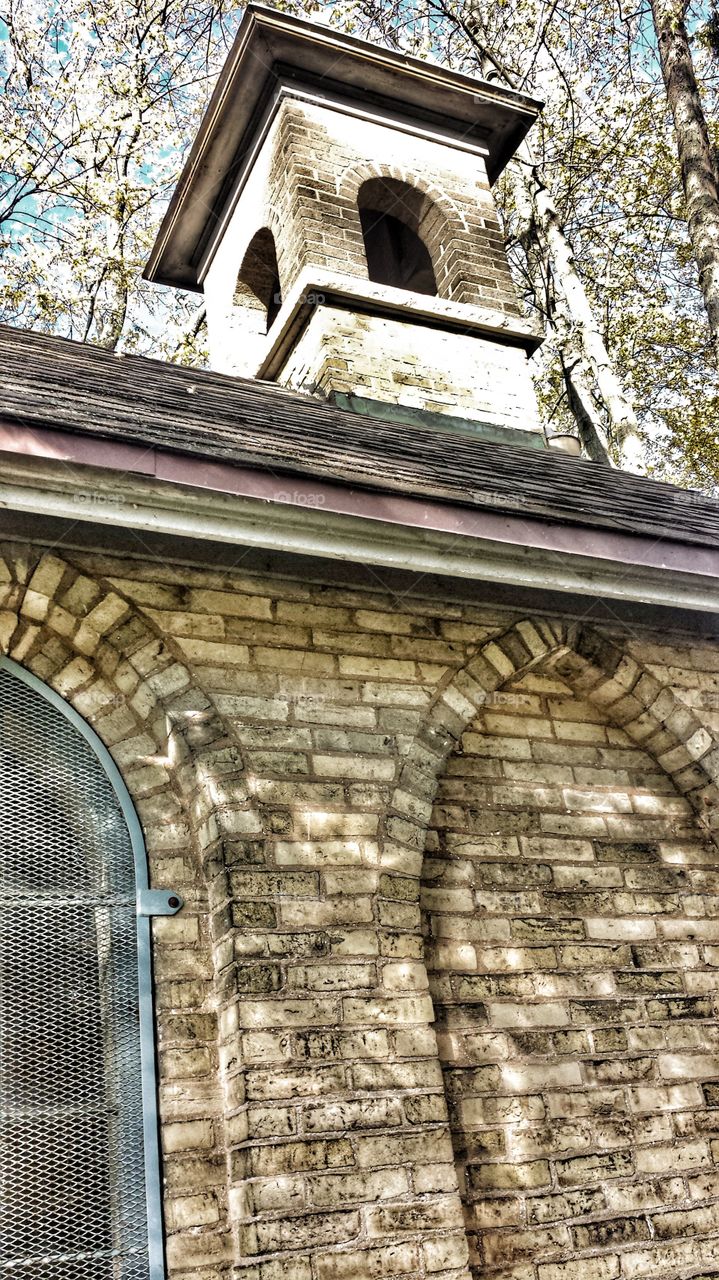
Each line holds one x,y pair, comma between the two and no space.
336,212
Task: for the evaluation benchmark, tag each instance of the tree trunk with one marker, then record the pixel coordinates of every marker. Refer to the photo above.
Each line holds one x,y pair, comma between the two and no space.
700,178
583,405
582,345
114,309
582,402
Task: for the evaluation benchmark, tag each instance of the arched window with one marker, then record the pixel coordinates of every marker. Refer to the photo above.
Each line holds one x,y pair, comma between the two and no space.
392,214
79,1178
258,282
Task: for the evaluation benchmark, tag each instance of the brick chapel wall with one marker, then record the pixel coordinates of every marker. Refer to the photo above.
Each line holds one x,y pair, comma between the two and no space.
282,740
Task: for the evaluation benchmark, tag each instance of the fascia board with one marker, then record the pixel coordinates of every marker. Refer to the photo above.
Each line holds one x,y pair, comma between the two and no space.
103,497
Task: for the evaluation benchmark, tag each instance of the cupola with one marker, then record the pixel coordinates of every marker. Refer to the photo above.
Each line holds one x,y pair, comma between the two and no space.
336,212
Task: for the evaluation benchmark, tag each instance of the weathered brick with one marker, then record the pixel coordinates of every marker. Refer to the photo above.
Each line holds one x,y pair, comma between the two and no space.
572,961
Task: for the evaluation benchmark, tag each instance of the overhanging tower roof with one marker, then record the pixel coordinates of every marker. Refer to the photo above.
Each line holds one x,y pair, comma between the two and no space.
272,50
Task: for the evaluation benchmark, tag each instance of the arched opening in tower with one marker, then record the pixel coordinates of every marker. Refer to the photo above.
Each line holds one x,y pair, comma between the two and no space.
258,283
391,215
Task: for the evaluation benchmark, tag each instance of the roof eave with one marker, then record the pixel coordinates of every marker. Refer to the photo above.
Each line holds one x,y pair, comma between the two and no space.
119,485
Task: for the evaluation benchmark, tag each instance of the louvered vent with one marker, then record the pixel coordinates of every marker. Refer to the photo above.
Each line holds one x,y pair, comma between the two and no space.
72,1174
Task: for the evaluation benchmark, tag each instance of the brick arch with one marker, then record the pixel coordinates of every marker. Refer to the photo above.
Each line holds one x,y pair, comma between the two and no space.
96,648
501,1036
443,224
596,668
187,779
354,176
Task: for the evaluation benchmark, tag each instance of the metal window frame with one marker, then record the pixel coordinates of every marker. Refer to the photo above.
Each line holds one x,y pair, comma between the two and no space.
148,903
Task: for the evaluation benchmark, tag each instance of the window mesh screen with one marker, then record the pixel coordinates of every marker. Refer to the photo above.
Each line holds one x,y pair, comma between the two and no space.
72,1190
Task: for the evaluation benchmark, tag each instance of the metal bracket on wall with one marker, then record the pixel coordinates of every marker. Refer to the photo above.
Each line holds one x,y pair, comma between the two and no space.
158,902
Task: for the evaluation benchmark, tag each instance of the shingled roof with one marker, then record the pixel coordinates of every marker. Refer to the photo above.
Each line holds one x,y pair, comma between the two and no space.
53,383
